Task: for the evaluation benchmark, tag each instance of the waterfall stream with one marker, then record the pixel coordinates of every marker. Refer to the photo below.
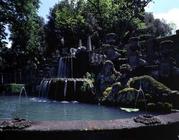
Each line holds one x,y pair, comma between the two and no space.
65,67
40,87
65,73
74,86
65,88
44,88
142,94
22,91
71,67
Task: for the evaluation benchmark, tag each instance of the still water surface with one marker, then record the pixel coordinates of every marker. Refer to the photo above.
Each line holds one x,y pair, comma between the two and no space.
38,109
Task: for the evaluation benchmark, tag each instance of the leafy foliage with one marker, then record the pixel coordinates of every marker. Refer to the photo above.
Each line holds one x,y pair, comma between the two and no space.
14,88
2,35
26,30
88,84
65,22
77,19
125,14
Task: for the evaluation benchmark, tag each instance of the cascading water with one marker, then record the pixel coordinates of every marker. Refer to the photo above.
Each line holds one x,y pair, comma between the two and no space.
74,86
71,66
44,88
40,87
59,67
65,88
47,88
65,73
65,67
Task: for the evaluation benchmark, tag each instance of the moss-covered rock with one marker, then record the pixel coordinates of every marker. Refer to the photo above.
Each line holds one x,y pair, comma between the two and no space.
116,87
143,92
110,94
161,97
71,89
147,83
167,107
175,99
157,90
151,107
160,107
107,76
115,96
127,97
107,91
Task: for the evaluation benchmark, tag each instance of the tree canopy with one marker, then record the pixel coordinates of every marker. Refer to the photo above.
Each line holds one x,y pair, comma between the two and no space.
71,20
25,27
78,18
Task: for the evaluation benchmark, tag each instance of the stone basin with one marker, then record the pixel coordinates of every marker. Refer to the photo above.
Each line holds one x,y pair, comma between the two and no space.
119,129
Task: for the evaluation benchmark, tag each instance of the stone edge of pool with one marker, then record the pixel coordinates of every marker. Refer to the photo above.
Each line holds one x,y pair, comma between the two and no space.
102,129
94,125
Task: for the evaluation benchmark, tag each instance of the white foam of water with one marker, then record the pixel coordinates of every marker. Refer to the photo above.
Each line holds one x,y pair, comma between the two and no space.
65,102
74,102
38,100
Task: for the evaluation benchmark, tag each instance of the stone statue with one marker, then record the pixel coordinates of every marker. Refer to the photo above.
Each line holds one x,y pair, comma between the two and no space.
108,75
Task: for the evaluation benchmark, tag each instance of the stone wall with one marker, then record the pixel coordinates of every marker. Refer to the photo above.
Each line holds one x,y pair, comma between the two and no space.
175,39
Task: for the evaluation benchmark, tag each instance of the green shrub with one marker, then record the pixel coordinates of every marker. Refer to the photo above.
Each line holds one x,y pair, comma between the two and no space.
14,88
88,84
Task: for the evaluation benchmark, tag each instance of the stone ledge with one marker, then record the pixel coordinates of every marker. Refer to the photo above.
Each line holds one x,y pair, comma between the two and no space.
98,125
110,129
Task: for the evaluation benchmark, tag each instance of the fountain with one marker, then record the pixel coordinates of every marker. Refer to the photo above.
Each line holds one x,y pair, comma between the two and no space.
74,86
22,91
140,93
69,75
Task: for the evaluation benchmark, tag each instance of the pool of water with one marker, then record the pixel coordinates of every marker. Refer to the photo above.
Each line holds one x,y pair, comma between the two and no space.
37,109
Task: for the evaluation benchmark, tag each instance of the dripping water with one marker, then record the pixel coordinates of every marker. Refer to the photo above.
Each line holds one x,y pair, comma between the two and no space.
140,93
40,87
71,67
74,86
22,91
65,88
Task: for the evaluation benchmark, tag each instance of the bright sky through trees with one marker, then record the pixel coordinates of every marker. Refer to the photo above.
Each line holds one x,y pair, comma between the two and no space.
163,9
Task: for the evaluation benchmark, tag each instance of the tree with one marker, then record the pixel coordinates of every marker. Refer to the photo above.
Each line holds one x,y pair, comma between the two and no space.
65,21
2,35
26,28
77,19
157,27
118,16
